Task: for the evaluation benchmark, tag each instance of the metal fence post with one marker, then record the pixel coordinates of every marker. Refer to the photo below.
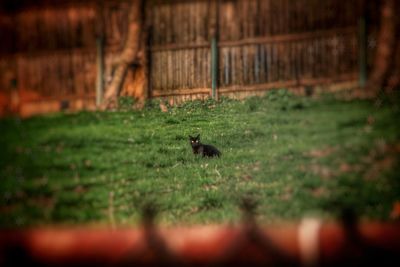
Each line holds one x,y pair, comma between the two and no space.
363,50
214,66
100,68
214,48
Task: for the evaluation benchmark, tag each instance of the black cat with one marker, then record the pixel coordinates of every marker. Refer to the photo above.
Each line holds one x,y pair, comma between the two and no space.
202,149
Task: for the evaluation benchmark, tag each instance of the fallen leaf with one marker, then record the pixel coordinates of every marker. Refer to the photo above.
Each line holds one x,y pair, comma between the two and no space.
80,189
247,177
318,192
163,107
319,153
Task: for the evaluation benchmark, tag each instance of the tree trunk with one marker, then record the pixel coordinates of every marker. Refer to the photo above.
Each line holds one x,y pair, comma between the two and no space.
386,43
128,55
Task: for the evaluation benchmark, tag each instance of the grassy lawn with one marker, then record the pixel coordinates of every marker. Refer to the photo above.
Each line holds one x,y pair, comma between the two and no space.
292,155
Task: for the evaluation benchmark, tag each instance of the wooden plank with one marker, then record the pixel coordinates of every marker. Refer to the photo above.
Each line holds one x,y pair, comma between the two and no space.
180,46
159,93
289,37
61,52
286,84
62,98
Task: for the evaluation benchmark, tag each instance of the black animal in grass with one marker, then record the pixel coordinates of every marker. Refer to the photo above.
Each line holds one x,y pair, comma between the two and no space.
202,149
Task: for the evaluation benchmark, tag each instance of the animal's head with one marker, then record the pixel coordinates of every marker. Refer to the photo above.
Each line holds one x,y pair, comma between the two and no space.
194,141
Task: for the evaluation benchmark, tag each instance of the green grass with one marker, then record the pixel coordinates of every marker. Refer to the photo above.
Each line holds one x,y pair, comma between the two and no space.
292,155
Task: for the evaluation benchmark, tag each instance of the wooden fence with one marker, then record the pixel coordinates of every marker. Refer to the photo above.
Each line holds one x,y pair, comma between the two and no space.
261,44
258,45
50,60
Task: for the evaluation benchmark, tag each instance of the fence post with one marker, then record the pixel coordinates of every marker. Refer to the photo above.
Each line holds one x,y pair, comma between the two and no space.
214,49
362,24
100,68
214,66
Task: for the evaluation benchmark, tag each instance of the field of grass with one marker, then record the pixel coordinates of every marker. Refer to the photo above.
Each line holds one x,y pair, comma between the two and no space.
292,155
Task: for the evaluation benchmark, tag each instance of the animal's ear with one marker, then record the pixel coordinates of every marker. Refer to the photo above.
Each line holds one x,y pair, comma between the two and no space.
198,136
190,137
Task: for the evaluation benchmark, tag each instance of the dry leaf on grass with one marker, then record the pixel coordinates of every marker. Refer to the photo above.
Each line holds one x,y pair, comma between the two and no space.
163,107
